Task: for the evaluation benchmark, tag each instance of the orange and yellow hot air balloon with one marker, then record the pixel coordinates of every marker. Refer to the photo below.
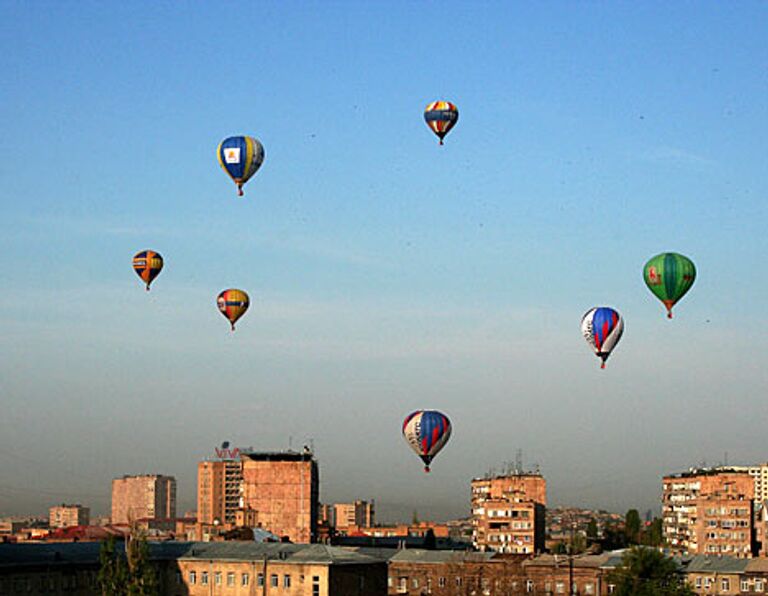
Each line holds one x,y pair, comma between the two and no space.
441,116
147,264
233,304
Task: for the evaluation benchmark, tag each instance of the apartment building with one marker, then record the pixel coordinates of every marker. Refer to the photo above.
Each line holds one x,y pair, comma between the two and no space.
149,496
65,516
280,494
508,513
218,490
709,512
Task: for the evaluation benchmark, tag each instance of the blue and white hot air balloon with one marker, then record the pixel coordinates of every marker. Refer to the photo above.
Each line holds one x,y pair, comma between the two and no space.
427,432
602,328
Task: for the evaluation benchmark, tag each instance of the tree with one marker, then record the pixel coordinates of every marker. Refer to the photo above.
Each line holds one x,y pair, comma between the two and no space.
647,572
632,526
592,530
113,570
143,578
131,574
652,536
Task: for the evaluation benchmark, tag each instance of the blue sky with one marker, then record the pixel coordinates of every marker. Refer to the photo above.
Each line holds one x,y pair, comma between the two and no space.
386,273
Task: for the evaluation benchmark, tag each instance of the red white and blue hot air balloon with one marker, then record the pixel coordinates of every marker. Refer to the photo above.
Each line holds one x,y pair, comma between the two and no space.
427,432
602,328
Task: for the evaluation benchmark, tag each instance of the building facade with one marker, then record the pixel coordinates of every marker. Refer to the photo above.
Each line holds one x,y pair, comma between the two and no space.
280,494
508,513
218,490
709,512
148,496
351,515
65,516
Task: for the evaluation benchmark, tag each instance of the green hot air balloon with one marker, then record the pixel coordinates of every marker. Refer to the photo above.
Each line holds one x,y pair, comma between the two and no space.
669,276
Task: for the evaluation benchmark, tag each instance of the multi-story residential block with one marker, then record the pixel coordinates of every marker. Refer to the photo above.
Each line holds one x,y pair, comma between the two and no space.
280,494
149,496
709,512
65,516
350,515
218,490
508,513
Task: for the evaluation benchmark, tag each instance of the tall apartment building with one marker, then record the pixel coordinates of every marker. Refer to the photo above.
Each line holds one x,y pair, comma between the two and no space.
66,516
149,496
508,513
709,512
355,514
218,490
280,494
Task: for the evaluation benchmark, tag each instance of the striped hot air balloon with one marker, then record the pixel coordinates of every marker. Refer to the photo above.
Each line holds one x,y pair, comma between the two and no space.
669,276
427,432
147,264
602,328
233,304
240,157
441,117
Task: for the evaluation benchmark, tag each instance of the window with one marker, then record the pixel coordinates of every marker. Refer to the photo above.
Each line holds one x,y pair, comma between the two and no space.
178,577
560,587
611,588
273,580
458,581
758,585
698,583
230,578
315,585
245,579
192,577
415,582
260,579
529,585
745,585
217,578
286,581
204,578
725,584
589,588
441,582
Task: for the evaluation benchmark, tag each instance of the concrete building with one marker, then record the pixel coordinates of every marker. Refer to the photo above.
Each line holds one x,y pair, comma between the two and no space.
280,494
65,516
149,496
709,512
200,569
218,490
508,513
351,515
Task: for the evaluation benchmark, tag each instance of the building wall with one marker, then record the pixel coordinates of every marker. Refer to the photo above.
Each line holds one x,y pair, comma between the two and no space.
280,494
65,516
218,490
710,512
508,513
148,496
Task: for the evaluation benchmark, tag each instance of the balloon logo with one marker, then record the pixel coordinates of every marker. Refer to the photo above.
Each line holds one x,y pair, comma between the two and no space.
233,304
147,264
240,157
427,432
669,276
602,328
441,117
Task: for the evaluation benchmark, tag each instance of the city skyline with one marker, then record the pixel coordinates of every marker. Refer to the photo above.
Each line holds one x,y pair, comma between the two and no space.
386,273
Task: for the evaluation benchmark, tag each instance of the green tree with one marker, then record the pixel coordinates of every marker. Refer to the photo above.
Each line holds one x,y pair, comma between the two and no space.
592,530
113,570
143,579
647,572
632,526
652,536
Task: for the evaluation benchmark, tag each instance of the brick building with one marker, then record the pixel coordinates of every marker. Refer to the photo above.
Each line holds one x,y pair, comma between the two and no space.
149,496
709,512
65,516
280,494
218,490
351,515
508,513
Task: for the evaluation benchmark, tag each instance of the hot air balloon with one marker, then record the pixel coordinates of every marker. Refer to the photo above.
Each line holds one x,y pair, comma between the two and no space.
602,328
240,157
147,264
669,276
427,432
233,304
441,116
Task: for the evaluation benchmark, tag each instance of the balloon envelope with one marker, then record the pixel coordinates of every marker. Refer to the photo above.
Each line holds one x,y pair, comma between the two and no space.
427,432
147,264
669,276
441,117
602,327
240,157
233,304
